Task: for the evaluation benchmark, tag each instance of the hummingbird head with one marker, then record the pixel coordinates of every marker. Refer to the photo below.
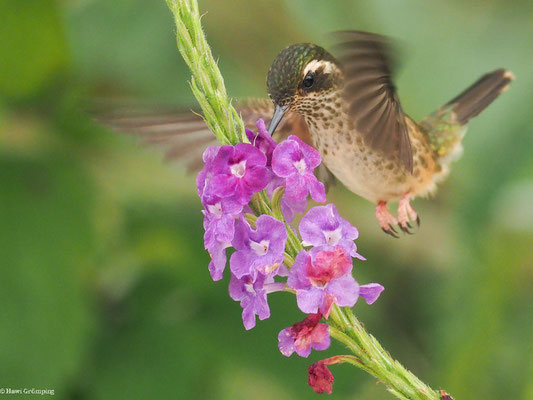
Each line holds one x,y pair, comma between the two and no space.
298,74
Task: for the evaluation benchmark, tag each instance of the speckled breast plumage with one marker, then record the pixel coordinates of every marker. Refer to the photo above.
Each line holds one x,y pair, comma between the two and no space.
366,172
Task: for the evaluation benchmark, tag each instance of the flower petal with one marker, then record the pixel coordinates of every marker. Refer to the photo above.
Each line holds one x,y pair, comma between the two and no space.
310,154
370,292
252,296
345,290
218,259
252,155
298,273
256,179
248,317
236,288
283,158
261,306
320,337
262,140
242,234
296,188
309,300
240,264
289,207
316,189
224,185
275,231
220,162
317,220
320,378
286,342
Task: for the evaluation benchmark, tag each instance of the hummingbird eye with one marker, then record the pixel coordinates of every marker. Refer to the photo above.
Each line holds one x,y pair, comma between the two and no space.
309,80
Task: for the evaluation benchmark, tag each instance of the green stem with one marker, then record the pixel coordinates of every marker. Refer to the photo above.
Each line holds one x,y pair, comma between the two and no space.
207,83
377,361
208,87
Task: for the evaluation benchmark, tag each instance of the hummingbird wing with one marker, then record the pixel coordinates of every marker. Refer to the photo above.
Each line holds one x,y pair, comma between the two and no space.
371,96
185,136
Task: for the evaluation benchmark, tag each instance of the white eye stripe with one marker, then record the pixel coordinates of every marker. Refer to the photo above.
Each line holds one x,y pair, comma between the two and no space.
314,65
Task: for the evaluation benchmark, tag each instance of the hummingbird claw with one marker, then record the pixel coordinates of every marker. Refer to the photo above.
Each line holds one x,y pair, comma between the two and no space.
391,233
406,214
405,228
386,220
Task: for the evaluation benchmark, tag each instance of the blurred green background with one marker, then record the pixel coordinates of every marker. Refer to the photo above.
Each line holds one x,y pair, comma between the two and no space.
104,288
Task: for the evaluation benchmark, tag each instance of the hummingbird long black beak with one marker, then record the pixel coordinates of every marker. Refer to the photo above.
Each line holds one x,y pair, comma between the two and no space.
279,111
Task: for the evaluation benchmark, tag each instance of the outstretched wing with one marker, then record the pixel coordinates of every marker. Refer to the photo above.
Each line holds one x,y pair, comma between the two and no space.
185,136
372,100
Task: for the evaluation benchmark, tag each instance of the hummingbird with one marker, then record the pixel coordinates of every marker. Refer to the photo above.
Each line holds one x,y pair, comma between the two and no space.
345,104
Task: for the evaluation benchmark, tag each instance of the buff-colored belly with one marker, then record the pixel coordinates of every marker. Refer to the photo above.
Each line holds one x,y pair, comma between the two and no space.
368,173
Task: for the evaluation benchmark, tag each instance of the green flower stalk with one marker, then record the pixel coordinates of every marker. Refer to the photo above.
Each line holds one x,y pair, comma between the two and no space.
207,83
237,176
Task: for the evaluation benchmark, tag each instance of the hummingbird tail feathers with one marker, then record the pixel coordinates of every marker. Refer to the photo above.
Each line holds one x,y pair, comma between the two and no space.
478,96
445,127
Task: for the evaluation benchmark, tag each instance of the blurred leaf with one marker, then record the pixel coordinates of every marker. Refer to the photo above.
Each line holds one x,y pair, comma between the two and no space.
45,241
154,351
123,47
489,301
343,14
32,45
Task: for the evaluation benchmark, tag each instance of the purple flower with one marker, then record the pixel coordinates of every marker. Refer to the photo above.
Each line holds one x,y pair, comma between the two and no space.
295,161
219,218
303,336
323,226
204,176
322,278
370,292
217,251
239,171
219,225
253,296
262,140
288,206
258,250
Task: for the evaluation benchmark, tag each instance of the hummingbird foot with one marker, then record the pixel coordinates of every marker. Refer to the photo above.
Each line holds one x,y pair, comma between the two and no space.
386,220
406,214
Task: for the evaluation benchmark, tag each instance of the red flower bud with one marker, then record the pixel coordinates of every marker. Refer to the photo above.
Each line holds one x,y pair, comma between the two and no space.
320,377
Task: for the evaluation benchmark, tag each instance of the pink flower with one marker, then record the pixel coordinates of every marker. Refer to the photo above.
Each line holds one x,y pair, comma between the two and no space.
322,278
303,336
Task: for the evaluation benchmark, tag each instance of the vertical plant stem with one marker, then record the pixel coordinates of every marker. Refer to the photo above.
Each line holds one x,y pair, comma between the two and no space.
207,83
